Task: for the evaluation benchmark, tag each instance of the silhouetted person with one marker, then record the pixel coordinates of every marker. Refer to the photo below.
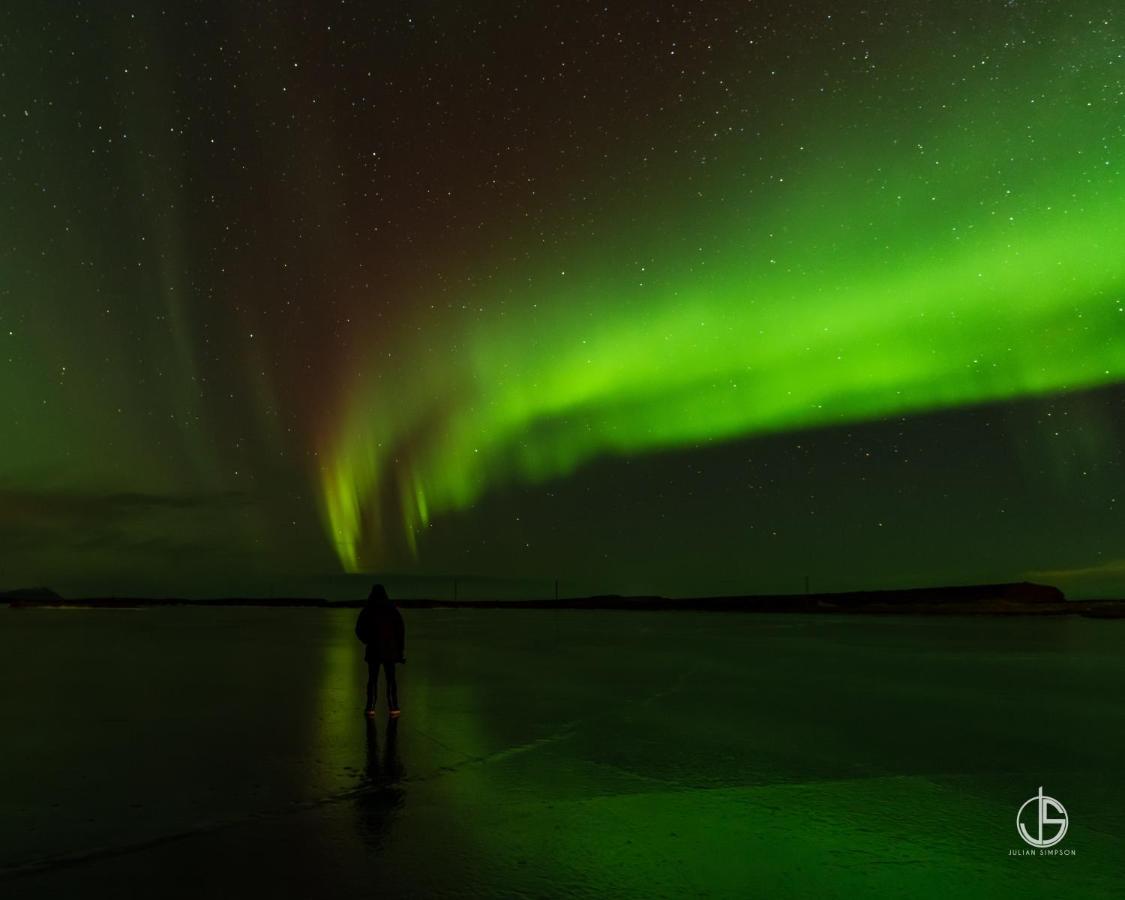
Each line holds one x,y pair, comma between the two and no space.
381,628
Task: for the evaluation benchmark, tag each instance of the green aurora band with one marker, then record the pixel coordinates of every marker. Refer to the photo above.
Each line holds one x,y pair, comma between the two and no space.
889,264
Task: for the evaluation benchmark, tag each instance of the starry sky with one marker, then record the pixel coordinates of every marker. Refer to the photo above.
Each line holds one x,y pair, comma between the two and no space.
680,298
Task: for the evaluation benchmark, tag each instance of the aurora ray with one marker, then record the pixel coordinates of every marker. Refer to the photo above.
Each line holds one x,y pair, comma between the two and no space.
969,258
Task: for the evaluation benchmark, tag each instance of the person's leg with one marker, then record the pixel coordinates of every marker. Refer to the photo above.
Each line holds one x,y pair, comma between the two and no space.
372,683
392,685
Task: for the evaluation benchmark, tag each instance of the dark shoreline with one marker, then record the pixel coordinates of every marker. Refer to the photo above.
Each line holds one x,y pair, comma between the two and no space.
1018,599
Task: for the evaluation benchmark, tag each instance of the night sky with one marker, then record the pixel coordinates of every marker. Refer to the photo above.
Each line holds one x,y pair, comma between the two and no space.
652,297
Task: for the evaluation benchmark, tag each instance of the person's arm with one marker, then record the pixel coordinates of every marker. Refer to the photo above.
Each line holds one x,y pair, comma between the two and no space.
361,625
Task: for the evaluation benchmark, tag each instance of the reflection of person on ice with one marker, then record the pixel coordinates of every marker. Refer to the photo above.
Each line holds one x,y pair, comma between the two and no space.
381,628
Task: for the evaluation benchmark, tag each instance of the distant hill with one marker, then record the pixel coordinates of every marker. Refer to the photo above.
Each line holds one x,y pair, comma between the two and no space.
1013,597
1021,598
32,595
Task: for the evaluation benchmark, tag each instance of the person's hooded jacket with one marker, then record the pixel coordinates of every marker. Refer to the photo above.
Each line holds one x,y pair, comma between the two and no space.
381,628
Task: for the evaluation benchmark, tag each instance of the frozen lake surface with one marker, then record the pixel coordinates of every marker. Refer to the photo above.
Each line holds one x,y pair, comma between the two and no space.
223,753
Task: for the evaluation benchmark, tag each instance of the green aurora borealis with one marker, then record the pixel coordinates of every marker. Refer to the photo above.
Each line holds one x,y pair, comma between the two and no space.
435,293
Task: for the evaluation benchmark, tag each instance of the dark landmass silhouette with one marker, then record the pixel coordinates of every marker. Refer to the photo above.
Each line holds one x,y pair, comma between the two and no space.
1018,598
35,595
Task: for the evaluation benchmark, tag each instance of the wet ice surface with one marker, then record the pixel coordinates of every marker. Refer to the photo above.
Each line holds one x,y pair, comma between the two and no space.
223,753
